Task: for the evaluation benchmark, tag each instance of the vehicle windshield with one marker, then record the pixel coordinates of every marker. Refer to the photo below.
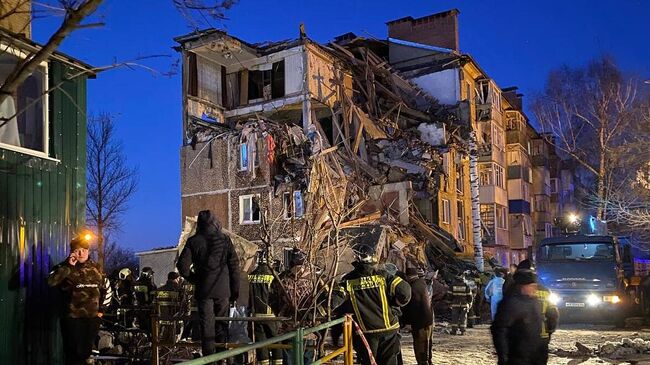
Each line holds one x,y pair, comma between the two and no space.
600,251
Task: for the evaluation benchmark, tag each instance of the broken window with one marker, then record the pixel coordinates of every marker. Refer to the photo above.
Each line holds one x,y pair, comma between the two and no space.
249,209
192,75
266,84
460,178
446,211
257,82
487,219
277,80
445,170
293,205
26,111
460,208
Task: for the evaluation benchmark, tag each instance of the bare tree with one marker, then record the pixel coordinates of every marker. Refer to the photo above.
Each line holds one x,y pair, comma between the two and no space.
75,11
589,112
200,13
110,181
118,257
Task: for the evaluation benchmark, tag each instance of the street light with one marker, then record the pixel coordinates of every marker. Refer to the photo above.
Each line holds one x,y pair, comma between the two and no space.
573,218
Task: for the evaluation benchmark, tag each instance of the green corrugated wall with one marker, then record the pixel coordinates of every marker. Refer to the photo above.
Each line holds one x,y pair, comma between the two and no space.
42,203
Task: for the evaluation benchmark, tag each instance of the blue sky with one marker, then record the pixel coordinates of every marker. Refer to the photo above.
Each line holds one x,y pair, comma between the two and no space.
516,43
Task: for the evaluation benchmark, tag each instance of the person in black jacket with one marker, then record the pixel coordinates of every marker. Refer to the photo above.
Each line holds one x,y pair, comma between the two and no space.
418,313
550,314
518,323
374,297
209,261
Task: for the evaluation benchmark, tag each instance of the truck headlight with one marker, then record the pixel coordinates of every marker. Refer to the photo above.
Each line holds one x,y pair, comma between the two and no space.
614,299
593,300
554,298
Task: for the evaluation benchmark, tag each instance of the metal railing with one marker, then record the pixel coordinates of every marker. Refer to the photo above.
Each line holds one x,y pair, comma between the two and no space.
297,345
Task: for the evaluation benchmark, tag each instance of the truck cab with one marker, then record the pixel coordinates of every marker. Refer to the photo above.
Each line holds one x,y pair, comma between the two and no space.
585,276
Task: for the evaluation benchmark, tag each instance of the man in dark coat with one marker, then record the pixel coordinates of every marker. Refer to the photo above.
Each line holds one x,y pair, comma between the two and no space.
518,323
550,314
418,313
85,290
209,261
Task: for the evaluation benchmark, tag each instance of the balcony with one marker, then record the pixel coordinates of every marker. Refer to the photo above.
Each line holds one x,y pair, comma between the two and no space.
540,160
518,172
517,136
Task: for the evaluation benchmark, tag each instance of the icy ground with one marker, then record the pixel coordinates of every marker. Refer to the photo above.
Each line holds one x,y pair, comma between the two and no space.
475,348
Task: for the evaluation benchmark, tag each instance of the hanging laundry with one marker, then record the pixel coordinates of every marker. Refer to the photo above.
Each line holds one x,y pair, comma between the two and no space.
270,148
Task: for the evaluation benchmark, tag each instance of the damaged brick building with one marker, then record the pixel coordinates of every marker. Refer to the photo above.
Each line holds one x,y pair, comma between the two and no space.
384,125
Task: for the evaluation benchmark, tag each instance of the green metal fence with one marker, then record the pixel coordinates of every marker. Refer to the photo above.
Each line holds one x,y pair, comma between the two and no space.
297,345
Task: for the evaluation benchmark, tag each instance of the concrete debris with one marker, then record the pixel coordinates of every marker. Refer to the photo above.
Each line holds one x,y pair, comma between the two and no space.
432,134
624,348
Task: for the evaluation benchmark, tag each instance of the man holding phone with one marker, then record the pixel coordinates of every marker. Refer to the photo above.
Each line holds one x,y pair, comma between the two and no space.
85,289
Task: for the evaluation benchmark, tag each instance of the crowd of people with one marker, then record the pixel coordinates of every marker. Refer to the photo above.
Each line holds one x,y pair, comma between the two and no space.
381,300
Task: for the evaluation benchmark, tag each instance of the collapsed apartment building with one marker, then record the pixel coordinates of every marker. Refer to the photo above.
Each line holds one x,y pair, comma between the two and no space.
292,143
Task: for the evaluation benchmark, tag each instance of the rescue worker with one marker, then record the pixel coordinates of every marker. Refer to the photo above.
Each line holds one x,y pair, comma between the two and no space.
550,314
144,287
124,287
418,313
494,292
518,323
260,294
85,291
474,313
373,297
173,282
209,261
461,302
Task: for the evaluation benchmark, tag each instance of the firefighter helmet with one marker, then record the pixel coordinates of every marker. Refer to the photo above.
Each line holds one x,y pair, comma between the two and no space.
365,253
124,273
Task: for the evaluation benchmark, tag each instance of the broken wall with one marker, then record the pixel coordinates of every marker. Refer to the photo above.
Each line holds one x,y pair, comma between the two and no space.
323,73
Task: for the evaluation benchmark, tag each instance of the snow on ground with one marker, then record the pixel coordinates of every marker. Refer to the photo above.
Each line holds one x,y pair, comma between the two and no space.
475,348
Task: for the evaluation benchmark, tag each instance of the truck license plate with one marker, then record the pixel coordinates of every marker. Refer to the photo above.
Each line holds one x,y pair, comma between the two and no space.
578,305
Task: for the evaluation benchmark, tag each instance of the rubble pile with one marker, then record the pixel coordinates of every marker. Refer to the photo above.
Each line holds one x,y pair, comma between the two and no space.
624,349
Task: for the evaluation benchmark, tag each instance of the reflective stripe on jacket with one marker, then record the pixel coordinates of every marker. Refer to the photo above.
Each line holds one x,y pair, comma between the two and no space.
260,281
375,298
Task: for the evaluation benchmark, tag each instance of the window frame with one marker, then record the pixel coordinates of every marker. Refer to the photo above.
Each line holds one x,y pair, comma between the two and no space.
501,216
446,211
460,178
242,220
45,97
289,212
462,227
